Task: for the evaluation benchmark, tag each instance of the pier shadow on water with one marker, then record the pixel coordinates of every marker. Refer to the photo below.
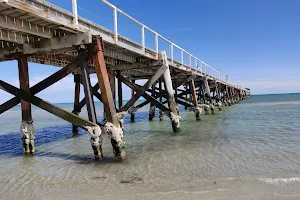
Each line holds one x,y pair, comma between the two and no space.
11,143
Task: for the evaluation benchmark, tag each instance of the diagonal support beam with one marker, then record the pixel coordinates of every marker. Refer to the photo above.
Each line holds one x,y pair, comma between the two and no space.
44,83
95,93
145,95
187,80
68,116
86,82
147,102
142,90
188,105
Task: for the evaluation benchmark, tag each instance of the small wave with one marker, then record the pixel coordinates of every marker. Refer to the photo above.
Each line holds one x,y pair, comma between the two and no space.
280,180
279,103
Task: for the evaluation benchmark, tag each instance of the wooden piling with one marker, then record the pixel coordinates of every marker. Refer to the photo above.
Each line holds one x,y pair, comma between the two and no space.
77,109
120,92
90,105
186,95
194,95
27,128
175,118
152,107
132,114
112,82
161,113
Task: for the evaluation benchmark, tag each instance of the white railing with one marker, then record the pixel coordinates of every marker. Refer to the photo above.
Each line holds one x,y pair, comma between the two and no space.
200,65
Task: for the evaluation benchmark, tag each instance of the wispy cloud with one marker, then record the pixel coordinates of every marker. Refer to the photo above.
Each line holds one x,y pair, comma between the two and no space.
271,86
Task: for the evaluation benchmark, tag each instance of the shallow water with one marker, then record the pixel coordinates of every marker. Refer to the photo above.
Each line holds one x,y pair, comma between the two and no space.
247,150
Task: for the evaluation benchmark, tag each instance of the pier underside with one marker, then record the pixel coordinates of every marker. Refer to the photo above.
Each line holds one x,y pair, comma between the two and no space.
31,35
166,86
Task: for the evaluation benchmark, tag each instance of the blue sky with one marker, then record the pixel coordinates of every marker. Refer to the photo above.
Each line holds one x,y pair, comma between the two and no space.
255,42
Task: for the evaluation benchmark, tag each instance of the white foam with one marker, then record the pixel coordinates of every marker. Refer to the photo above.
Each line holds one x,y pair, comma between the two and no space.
280,180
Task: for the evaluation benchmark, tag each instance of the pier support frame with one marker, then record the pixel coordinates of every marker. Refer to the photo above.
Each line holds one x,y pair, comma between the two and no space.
27,128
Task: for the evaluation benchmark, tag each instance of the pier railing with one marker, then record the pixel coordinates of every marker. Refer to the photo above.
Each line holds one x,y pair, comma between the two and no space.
185,58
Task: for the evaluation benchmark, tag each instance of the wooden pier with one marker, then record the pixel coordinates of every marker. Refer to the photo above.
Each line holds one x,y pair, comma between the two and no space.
37,31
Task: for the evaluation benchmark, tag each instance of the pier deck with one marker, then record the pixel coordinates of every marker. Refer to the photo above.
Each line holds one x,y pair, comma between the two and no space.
40,32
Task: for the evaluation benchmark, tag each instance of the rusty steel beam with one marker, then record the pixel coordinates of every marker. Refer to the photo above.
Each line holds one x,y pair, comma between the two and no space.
96,51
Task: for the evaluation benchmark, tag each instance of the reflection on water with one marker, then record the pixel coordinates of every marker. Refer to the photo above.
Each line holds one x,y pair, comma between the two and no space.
249,148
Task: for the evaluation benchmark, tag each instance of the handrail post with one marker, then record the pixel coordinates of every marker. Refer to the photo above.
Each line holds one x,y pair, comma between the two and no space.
201,67
143,38
190,60
181,57
156,45
172,53
116,24
75,13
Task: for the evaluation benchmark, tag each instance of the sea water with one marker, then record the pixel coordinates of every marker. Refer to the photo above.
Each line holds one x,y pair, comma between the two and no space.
248,150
